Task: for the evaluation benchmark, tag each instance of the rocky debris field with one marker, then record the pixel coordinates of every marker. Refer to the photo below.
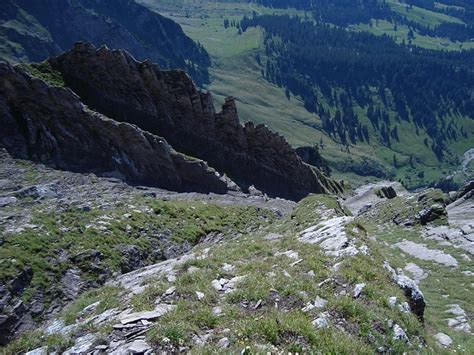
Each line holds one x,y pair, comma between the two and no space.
62,233
121,269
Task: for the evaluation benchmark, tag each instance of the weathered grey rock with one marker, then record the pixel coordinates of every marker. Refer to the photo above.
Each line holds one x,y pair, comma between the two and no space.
40,351
71,283
228,267
443,339
420,251
223,343
460,323
138,346
36,192
364,209
404,307
106,316
386,192
366,196
331,236
431,214
417,272
134,280
316,304
90,308
226,285
289,253
133,257
456,310
201,340
322,321
6,201
170,291
217,311
358,290
415,297
159,311
58,326
82,345
8,185
273,236
14,313
399,334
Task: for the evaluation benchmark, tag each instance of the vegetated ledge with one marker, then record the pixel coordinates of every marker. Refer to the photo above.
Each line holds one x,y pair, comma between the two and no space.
166,102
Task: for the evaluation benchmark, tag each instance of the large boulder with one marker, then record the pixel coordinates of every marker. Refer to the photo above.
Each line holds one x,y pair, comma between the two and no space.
431,214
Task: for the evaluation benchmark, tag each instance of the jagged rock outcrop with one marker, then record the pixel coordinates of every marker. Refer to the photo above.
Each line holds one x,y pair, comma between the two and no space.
167,103
51,125
414,296
13,312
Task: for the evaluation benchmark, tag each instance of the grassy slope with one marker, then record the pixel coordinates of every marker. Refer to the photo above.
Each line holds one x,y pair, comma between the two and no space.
362,322
382,27
443,285
421,15
24,25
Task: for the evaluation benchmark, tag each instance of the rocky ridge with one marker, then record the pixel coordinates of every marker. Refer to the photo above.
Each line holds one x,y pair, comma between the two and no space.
51,125
167,103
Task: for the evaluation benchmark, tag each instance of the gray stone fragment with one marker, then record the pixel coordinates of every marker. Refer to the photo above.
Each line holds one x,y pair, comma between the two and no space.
217,311
5,201
159,311
40,351
82,345
443,339
421,252
322,321
399,333
358,290
392,301
223,343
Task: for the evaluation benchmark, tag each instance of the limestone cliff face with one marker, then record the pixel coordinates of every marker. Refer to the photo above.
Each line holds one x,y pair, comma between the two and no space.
168,103
51,125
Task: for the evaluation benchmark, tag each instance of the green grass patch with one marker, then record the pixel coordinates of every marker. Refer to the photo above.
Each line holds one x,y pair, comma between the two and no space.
45,72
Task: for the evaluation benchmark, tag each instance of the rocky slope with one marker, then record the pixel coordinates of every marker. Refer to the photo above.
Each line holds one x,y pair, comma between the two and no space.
33,31
241,272
62,233
167,103
51,125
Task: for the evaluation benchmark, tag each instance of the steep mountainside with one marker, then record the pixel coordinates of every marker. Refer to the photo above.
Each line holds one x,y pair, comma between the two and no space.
48,123
403,112
381,272
168,104
35,30
51,125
